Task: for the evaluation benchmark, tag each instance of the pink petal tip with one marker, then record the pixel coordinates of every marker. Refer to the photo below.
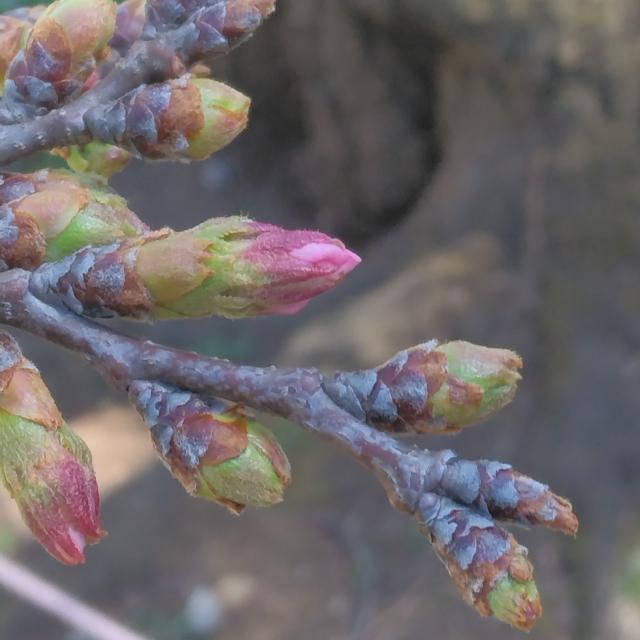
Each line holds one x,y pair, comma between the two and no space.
325,253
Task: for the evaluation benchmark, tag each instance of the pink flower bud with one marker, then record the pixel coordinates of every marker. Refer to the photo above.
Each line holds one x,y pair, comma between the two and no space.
45,466
61,505
232,267
49,475
297,266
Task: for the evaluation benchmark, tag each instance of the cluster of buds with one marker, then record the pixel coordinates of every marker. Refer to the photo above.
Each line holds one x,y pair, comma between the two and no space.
217,451
458,504
430,388
142,70
232,267
489,567
60,54
44,465
50,214
184,119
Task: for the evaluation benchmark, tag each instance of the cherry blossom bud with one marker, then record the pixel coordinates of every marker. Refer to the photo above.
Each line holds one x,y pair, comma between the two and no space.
236,267
60,53
45,467
431,388
95,157
232,267
49,214
216,450
184,119
487,564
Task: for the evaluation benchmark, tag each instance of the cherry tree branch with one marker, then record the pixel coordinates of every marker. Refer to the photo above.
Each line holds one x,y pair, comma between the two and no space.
160,54
142,95
296,394
456,502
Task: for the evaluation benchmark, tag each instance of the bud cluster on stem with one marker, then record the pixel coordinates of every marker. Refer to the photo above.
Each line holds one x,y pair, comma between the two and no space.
98,84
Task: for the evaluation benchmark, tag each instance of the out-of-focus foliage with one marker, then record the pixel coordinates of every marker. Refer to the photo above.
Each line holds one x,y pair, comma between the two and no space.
8,5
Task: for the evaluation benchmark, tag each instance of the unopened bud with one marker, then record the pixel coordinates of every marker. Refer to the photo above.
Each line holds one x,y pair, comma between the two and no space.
86,25
47,468
217,451
49,214
60,52
95,157
430,388
487,564
184,119
236,267
232,267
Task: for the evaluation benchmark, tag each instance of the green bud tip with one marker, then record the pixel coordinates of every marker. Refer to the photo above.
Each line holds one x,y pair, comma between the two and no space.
479,381
225,113
516,603
257,477
95,157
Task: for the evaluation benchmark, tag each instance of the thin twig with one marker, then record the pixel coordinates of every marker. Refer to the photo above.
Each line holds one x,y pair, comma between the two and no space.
68,609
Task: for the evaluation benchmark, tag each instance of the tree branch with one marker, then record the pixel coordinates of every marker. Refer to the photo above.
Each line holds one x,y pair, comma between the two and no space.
454,500
230,267
296,394
162,54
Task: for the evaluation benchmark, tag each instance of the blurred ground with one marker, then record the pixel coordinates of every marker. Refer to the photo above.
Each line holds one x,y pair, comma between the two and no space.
483,155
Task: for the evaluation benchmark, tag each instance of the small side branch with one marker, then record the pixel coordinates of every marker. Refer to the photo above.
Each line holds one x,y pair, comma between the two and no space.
61,605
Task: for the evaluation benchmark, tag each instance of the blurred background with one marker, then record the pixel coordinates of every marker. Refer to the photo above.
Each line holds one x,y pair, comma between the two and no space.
484,158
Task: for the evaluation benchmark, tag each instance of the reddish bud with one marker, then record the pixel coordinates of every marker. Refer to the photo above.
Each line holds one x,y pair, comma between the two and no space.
46,467
236,268
226,266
